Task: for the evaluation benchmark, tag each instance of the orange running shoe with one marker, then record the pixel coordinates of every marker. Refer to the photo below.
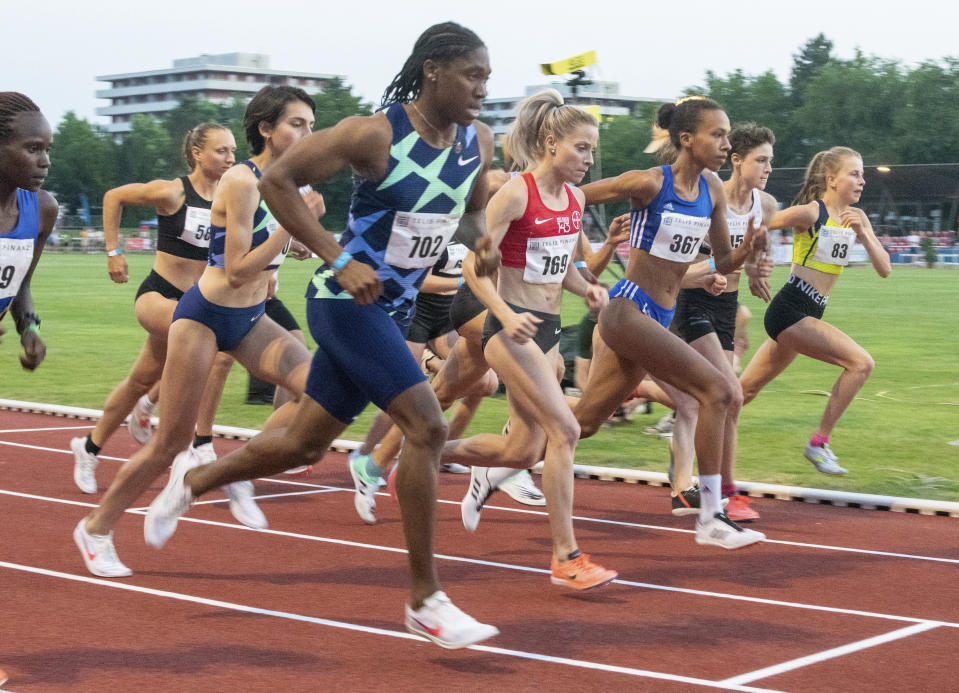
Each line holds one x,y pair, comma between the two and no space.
580,573
738,509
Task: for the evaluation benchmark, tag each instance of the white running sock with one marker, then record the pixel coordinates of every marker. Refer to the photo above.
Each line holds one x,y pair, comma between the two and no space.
710,496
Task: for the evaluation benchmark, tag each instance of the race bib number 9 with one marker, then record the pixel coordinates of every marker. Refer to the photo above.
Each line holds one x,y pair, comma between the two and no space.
679,237
834,245
196,227
418,238
15,257
547,259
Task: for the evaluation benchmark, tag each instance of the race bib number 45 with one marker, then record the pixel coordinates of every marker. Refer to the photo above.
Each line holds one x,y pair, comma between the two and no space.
418,238
196,227
834,245
547,259
679,237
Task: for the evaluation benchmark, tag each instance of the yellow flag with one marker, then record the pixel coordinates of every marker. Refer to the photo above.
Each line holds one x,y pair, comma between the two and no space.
593,110
563,67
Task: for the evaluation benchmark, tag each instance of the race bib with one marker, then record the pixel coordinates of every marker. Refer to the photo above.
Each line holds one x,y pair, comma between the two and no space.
547,259
737,230
16,254
196,227
834,245
679,237
455,254
417,239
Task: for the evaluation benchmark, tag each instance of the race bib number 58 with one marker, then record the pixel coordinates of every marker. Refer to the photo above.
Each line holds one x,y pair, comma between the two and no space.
418,238
196,227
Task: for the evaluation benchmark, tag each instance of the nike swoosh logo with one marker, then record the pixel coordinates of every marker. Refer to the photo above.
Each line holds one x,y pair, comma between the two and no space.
463,162
542,221
431,631
558,331
256,317
86,548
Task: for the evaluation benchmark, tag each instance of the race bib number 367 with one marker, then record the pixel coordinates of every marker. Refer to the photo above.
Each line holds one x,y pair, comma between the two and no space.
679,237
418,238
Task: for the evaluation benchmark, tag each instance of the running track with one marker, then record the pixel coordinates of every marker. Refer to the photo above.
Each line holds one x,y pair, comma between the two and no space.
839,599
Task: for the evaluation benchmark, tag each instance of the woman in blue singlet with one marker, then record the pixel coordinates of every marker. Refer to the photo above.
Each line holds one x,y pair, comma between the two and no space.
419,166
183,236
27,215
825,225
674,207
223,311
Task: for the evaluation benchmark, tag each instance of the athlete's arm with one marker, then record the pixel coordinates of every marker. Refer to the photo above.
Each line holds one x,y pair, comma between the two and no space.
21,308
239,198
471,231
640,187
856,219
166,196
798,218
362,142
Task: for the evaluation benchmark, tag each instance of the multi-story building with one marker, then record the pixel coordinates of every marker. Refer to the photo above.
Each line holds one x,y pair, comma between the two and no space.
501,112
217,78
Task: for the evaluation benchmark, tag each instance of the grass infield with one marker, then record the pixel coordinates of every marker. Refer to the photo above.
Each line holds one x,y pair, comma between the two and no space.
894,438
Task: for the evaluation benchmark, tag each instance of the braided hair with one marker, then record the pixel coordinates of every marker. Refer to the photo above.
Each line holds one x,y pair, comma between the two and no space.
11,103
442,43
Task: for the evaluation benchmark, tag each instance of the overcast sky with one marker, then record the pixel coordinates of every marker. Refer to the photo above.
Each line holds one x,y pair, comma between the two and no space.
55,49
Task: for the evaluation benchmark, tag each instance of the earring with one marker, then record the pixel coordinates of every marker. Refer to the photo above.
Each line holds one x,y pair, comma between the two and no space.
553,152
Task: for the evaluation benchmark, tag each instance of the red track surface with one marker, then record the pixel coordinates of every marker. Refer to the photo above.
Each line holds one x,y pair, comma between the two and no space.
315,602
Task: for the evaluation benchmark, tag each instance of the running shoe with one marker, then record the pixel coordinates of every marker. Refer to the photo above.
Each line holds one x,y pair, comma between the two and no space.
738,509
442,622
721,531
205,453
824,459
138,424
174,500
663,429
364,500
242,505
98,552
687,502
472,504
453,468
84,466
580,573
303,469
520,488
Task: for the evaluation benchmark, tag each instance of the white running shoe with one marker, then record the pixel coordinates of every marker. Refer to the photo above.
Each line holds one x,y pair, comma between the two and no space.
472,504
98,552
242,505
205,453
521,488
364,500
302,469
721,531
454,468
138,424
84,466
442,622
824,459
174,500
664,429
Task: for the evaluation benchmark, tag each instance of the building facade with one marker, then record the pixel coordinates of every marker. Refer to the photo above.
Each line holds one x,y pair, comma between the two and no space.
217,78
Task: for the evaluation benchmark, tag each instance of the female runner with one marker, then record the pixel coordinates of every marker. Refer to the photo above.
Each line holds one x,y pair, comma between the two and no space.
673,208
27,215
224,311
535,220
825,226
183,238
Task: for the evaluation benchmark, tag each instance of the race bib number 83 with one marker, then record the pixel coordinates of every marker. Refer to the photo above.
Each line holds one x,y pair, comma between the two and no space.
834,245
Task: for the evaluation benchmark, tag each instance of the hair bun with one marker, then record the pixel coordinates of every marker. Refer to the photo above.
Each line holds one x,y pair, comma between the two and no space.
665,115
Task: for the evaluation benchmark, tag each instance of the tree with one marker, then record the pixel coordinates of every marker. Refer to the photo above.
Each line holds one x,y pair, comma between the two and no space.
188,113
815,53
141,157
83,161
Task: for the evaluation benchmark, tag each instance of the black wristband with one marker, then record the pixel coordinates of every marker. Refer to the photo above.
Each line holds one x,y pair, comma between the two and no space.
26,320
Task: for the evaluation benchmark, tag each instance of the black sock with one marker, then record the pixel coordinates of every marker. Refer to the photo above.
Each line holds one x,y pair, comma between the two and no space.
199,440
91,447
573,556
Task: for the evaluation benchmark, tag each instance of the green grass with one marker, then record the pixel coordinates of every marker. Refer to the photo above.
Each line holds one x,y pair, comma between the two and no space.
894,439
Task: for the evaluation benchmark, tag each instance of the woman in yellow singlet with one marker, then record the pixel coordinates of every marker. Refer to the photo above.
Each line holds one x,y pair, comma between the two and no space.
826,226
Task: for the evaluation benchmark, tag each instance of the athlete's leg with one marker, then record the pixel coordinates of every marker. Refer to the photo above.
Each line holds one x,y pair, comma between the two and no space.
612,377
770,360
212,393
281,395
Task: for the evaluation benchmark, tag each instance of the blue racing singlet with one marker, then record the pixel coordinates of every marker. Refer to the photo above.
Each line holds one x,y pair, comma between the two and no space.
264,225
16,248
671,227
401,225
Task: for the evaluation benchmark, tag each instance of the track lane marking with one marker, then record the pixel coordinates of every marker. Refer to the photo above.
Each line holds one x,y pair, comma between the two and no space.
371,630
832,653
526,569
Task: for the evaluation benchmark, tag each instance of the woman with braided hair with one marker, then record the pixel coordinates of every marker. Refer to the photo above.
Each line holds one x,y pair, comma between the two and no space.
27,215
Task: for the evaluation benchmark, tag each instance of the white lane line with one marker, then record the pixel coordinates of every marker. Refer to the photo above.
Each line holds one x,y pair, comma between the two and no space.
51,428
829,654
262,497
370,630
528,569
579,518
